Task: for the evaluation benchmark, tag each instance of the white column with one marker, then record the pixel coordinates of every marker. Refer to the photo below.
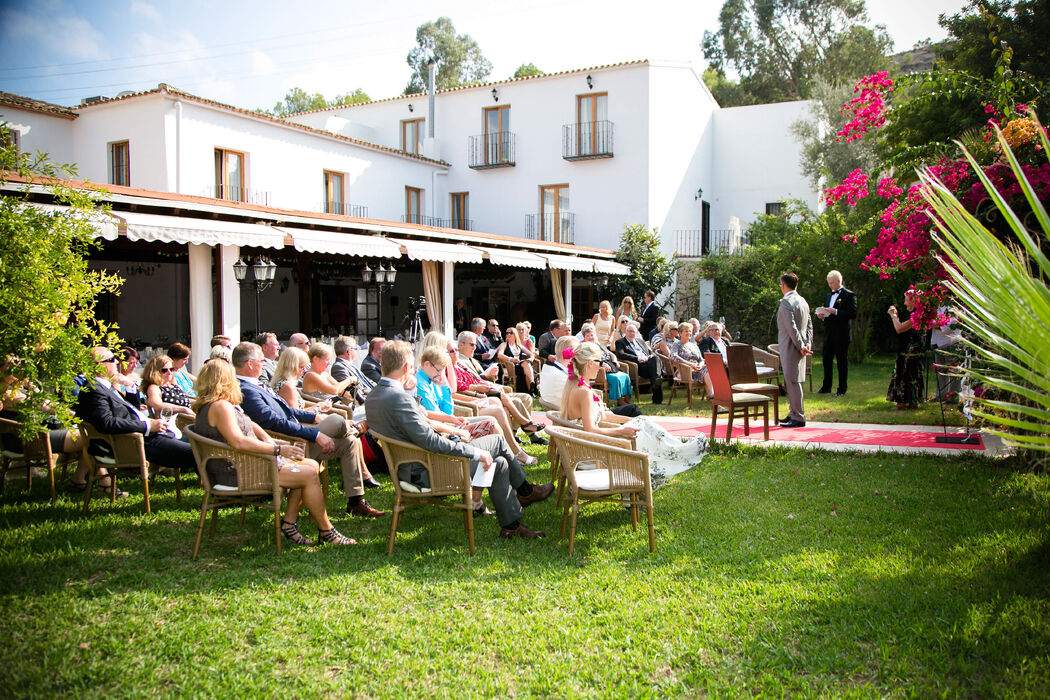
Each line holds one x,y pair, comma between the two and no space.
447,301
567,290
200,304
229,294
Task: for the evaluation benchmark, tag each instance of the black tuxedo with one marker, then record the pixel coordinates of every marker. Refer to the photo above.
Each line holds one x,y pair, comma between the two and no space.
837,337
649,315
648,368
111,414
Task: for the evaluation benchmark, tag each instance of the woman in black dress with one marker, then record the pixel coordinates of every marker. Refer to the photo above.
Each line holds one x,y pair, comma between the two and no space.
906,387
522,359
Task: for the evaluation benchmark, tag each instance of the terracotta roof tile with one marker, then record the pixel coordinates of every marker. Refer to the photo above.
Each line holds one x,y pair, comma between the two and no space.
31,105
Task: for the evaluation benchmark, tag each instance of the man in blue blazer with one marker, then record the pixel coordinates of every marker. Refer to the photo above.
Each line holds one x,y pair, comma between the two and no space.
327,435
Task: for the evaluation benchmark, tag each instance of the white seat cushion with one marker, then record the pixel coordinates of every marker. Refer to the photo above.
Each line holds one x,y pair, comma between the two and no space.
598,480
412,488
759,387
744,397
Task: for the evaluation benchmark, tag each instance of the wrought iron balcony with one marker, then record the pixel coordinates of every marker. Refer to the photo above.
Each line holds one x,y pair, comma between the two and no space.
587,140
461,224
695,243
421,219
553,228
344,208
235,193
492,150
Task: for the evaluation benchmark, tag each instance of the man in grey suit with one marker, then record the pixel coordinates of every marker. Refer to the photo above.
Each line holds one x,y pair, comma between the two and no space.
795,336
393,412
344,367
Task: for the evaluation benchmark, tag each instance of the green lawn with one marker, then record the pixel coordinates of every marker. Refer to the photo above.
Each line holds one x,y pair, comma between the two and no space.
782,573
865,402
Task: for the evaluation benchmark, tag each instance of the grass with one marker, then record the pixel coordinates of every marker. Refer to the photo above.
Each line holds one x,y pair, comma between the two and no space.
864,402
776,573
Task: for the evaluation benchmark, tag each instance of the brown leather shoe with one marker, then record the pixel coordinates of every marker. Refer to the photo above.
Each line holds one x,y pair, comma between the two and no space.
522,532
365,510
539,493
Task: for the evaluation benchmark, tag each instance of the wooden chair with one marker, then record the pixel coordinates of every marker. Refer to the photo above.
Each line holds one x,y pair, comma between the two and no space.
683,379
775,350
734,403
34,453
449,476
600,468
257,484
128,457
743,376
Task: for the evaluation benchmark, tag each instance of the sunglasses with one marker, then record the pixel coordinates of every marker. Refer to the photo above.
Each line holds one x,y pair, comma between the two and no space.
108,360
167,370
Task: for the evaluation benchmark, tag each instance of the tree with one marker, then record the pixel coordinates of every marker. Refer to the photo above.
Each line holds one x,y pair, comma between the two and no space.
825,156
459,58
358,96
780,47
298,100
47,291
525,70
650,269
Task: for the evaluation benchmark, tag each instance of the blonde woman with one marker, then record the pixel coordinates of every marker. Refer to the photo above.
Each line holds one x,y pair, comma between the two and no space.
627,309
620,332
524,338
521,358
668,455
291,366
220,418
159,387
603,322
318,383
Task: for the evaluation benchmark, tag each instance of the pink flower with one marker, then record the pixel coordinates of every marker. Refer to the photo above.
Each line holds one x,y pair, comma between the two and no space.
853,189
888,188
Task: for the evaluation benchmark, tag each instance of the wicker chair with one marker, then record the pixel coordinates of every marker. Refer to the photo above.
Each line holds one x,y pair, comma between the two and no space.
129,457
770,369
322,466
743,376
735,403
683,379
35,453
632,371
775,350
449,476
552,452
612,471
510,377
256,484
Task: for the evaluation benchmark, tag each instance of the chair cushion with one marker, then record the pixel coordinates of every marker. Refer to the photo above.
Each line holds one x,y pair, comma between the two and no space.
598,480
412,488
766,371
743,398
105,460
223,489
755,387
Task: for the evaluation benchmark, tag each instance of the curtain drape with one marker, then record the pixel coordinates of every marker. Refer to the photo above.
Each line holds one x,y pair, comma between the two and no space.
432,290
558,288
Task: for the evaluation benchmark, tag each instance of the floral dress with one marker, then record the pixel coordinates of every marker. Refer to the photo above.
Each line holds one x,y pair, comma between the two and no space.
906,385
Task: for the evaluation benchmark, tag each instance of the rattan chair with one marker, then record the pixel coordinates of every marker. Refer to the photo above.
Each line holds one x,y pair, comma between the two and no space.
632,371
735,403
510,377
743,376
257,484
449,476
34,453
769,370
600,468
322,466
775,350
552,453
683,379
128,452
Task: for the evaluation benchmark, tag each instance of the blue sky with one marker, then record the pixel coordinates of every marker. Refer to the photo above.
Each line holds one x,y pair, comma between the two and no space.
250,54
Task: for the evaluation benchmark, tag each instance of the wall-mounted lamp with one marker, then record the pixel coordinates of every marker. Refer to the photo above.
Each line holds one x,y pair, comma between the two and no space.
699,194
590,83
495,95
410,107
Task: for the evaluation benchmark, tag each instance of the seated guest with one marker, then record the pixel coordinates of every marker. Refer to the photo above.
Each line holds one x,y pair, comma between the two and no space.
604,323
299,340
327,435
484,350
620,332
711,340
291,366
631,348
220,352
127,382
159,387
223,340
661,342
271,349
696,334
526,340
528,334
522,359
617,382
220,418
180,357
370,365
344,367
394,413
688,353
110,414
553,375
492,333
660,322
318,384
545,345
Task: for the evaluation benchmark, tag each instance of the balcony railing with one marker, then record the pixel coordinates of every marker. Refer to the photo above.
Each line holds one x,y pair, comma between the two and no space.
461,224
695,243
492,150
587,140
553,228
344,208
421,219
234,193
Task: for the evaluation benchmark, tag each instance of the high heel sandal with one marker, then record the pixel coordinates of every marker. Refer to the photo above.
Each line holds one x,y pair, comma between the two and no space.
332,536
525,458
531,427
291,532
481,509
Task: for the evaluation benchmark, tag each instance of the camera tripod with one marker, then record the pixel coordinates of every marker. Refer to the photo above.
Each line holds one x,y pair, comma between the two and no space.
413,326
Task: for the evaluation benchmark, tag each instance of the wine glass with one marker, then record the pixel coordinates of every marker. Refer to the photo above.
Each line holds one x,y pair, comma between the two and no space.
166,414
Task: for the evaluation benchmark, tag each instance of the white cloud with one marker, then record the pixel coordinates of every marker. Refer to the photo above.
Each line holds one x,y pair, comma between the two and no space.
144,9
60,34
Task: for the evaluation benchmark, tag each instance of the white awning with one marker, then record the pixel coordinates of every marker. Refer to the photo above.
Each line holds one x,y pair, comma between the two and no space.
338,243
514,258
611,267
568,262
440,252
177,229
103,226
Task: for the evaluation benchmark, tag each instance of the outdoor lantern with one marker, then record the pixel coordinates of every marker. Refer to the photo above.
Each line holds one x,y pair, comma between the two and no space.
262,269
366,274
495,95
410,107
391,273
240,269
590,83
603,281
699,193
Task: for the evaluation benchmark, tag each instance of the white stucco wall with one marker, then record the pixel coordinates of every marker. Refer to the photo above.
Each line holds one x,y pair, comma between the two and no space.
50,134
138,121
757,160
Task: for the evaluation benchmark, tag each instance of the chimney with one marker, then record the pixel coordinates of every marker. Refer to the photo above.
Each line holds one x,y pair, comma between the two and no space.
431,72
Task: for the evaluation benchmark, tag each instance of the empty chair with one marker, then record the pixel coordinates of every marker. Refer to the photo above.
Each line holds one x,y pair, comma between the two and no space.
734,403
128,457
743,376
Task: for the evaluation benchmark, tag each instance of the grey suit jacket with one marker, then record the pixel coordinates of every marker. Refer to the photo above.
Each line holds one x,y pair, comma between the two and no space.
393,412
794,332
340,369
